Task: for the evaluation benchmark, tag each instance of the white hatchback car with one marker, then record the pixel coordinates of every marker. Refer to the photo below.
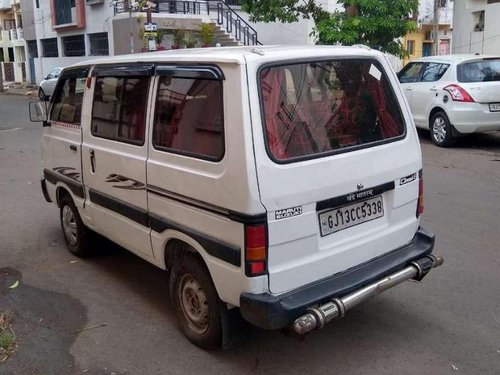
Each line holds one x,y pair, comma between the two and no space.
48,84
453,95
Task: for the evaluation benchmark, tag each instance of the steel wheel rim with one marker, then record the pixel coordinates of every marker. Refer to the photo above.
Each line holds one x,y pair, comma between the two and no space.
69,225
194,303
439,129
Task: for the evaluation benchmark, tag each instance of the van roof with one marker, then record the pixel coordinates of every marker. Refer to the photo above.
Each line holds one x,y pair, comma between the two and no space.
237,55
457,58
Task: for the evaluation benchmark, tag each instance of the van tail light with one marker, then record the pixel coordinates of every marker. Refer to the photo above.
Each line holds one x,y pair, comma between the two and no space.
459,94
255,250
420,202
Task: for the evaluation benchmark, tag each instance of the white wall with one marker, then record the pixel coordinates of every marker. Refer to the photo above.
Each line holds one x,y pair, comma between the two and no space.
465,39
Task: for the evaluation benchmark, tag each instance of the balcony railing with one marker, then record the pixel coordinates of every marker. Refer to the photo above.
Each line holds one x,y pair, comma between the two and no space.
13,34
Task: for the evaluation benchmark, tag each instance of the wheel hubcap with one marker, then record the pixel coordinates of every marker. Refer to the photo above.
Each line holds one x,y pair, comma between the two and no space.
194,303
439,129
69,225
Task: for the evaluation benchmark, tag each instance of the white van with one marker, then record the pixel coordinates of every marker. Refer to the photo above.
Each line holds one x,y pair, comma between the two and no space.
282,184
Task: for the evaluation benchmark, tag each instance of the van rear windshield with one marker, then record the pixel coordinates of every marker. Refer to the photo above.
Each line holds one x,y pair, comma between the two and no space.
314,109
479,71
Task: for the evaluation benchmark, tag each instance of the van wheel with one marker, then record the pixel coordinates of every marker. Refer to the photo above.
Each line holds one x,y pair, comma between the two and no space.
197,304
76,235
441,131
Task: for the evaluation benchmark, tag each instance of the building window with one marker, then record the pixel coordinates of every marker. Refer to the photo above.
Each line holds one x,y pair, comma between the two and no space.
99,44
65,11
189,117
9,24
49,47
119,109
478,20
73,45
410,47
32,49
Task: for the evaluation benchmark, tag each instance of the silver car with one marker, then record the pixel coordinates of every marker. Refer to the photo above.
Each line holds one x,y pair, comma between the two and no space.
48,84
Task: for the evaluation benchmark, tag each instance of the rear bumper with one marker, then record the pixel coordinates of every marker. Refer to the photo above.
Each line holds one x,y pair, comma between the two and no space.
273,312
473,117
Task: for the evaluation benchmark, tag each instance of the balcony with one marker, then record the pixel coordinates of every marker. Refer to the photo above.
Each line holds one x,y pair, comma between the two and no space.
13,34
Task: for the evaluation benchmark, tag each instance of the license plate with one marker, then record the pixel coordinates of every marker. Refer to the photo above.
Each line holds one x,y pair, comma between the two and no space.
494,107
347,216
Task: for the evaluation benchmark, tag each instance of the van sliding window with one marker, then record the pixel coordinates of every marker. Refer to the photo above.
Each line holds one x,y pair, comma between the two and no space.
119,108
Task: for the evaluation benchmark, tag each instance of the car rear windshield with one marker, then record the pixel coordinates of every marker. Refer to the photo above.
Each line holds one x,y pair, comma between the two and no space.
314,109
479,71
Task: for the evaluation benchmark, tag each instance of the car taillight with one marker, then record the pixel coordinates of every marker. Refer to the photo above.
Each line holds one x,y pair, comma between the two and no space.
458,94
420,202
255,250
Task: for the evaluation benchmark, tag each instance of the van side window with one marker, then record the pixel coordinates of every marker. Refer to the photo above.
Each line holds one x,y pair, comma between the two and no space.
189,117
119,108
67,101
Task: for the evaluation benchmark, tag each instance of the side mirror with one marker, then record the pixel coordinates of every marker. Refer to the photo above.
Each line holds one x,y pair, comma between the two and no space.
38,112
47,76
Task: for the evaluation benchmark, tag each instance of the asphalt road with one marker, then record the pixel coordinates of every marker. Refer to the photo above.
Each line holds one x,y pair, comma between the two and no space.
111,314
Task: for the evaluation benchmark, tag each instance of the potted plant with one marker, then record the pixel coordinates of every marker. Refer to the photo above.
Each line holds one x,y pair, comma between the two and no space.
159,39
207,32
178,39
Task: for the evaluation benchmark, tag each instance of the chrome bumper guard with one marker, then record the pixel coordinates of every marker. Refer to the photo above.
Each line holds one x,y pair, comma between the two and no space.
317,317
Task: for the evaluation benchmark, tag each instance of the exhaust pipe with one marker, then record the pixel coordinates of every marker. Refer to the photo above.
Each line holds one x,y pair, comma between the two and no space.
317,317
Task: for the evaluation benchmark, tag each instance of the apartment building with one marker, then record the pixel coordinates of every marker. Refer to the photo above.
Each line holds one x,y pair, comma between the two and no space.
477,26
12,43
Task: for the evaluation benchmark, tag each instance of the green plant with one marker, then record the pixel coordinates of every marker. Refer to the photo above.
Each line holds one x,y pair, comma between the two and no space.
190,40
207,32
159,35
376,23
178,37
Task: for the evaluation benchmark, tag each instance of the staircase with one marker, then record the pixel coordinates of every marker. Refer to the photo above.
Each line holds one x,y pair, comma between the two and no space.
223,37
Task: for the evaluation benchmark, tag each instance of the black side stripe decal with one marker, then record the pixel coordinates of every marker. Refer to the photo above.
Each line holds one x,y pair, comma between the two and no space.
218,249
233,215
54,177
123,208
226,252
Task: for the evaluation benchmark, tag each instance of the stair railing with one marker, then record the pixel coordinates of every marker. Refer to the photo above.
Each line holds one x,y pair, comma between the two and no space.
235,25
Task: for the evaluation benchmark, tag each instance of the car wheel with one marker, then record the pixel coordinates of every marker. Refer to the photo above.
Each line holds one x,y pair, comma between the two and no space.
76,235
197,304
41,94
441,131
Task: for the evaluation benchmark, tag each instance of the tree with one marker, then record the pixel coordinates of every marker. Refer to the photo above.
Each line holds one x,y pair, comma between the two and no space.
376,23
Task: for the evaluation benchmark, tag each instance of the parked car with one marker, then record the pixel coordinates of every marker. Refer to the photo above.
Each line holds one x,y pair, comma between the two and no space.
48,84
281,185
453,95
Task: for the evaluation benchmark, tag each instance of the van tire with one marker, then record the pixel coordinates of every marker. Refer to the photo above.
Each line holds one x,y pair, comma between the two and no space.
441,130
76,235
197,304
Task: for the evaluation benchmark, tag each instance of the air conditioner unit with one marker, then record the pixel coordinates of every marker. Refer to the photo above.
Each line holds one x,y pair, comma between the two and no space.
94,2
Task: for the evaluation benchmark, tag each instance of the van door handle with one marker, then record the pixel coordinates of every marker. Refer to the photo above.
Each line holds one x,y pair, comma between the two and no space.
72,147
92,160
434,89
408,88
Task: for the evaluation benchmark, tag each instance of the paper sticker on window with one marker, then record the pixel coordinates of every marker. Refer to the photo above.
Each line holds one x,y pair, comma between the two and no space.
375,73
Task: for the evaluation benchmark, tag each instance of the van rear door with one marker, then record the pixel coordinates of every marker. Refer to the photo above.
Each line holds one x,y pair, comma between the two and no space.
339,173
